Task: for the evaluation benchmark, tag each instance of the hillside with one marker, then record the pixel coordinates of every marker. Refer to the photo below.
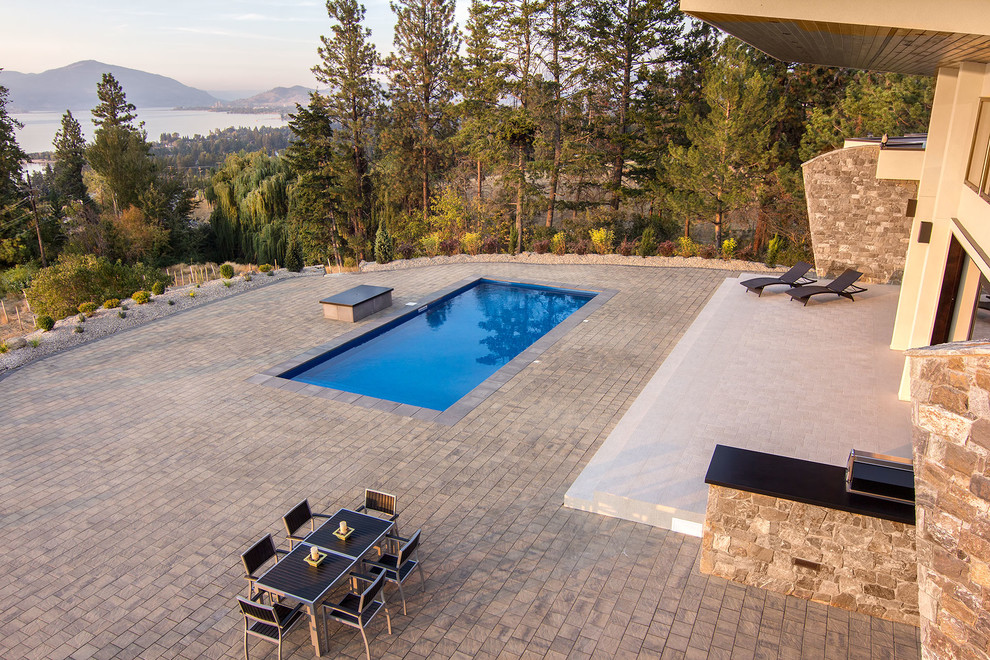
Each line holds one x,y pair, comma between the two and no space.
74,87
279,99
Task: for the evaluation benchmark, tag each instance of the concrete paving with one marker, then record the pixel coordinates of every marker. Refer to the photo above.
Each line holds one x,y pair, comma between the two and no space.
134,471
761,373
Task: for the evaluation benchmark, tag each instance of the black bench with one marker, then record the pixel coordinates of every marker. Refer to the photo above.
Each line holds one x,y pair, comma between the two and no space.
355,304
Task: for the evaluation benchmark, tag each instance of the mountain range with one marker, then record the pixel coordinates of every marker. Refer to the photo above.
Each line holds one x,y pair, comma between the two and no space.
74,87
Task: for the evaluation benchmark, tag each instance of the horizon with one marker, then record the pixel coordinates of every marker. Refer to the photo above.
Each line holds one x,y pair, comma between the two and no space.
249,45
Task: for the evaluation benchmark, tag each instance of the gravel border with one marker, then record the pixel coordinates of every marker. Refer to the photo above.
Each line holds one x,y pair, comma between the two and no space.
574,259
106,322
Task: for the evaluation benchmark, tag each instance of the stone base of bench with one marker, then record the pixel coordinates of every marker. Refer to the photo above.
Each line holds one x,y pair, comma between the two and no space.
355,311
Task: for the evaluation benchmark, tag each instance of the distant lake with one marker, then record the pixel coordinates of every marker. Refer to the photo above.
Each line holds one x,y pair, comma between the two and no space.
40,127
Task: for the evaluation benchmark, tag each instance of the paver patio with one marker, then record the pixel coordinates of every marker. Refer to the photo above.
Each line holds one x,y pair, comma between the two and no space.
135,470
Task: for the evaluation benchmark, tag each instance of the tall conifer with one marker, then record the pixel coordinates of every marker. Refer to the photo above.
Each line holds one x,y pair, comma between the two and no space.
70,159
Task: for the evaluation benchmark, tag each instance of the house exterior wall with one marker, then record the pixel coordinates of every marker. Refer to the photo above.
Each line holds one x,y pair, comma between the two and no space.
950,396
857,220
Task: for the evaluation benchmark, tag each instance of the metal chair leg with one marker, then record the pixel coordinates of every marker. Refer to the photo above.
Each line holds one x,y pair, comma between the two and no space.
367,649
398,582
422,576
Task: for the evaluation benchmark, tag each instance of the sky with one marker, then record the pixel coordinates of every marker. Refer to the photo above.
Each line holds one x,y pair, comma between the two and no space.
215,45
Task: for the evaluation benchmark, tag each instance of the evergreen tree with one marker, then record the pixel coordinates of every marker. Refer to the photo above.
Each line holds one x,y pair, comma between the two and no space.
317,195
348,68
480,84
70,159
730,146
120,153
14,219
420,73
622,39
113,109
384,249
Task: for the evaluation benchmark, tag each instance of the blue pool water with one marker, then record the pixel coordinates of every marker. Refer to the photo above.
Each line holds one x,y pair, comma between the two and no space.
433,358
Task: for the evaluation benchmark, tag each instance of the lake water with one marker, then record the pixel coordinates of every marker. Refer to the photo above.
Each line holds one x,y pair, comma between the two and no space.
40,127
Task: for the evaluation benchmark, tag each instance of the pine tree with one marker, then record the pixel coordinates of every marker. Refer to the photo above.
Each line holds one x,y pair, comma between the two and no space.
113,109
384,249
120,153
70,159
348,68
622,38
420,73
730,147
317,194
11,155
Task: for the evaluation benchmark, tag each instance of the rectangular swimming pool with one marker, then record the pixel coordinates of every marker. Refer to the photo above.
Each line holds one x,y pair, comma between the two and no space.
434,356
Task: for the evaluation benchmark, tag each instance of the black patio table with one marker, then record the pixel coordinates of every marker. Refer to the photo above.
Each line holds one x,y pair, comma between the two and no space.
292,577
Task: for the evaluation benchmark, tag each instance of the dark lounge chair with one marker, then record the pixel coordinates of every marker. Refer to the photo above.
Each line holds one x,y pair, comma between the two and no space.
796,276
843,286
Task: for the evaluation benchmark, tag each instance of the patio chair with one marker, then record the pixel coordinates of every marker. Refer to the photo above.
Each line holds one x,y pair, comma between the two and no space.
358,608
256,556
796,276
398,564
296,518
840,286
271,622
379,502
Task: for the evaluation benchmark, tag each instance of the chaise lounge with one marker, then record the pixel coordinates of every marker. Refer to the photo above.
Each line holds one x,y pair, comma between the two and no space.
796,276
843,286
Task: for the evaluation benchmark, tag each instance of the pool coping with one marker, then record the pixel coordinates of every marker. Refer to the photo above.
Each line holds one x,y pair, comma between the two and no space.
271,377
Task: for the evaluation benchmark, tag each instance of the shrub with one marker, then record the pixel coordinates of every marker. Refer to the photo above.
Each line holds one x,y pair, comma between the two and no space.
227,283
81,318
247,277
471,243
59,289
728,248
270,273
34,343
141,297
541,247
384,247
293,256
87,308
513,240
349,262
686,247
226,271
78,329
110,303
602,239
192,293
158,288
583,246
3,347
406,250
171,302
667,249
431,244
746,254
124,307
773,251
558,244
122,314
44,322
489,245
647,243
16,279
626,248
707,251
264,268
450,247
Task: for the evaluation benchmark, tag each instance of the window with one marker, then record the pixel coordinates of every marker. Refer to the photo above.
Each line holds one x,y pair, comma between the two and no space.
976,173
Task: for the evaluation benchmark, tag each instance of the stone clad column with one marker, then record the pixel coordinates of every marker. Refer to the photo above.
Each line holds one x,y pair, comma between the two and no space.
950,395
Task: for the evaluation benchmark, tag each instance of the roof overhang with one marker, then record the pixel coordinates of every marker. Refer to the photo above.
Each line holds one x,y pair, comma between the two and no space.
906,36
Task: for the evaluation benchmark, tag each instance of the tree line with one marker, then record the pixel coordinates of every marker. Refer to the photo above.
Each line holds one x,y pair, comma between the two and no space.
538,120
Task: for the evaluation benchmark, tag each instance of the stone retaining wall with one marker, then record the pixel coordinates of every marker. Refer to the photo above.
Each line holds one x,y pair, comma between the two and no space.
857,221
851,561
950,396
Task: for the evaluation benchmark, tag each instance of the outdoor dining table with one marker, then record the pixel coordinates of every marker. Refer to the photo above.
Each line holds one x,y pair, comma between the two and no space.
292,577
